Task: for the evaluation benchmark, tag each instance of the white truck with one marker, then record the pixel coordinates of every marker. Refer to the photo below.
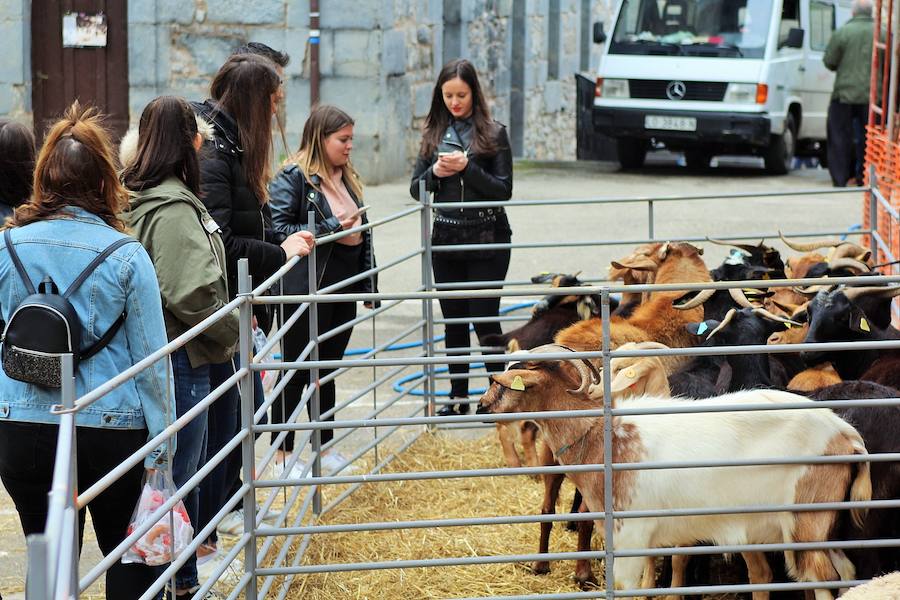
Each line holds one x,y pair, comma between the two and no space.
712,77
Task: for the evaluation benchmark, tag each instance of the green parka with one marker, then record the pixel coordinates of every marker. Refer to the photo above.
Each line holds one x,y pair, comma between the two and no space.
187,250
849,53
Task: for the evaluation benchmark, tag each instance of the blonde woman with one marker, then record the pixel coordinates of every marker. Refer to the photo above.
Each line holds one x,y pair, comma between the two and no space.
321,179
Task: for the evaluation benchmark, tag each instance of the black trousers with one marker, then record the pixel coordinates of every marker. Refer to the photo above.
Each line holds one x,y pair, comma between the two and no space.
846,141
342,264
457,334
27,453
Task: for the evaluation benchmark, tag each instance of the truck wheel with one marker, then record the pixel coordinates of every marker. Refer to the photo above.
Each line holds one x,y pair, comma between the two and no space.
697,159
780,154
631,153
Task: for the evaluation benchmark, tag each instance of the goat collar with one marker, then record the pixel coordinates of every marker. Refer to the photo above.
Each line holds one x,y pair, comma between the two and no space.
579,440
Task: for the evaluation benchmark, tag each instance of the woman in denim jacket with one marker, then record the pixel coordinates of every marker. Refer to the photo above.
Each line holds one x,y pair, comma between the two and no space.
70,219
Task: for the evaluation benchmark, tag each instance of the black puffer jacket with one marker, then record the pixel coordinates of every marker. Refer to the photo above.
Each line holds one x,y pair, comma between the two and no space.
484,178
292,196
245,222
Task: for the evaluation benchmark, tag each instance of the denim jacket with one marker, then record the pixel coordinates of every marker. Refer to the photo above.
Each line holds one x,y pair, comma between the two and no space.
60,248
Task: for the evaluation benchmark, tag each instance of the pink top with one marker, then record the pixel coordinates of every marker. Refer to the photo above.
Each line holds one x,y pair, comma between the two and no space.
342,206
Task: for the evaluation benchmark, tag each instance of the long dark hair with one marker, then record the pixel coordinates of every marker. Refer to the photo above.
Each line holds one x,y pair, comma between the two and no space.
165,146
16,162
438,118
243,88
75,168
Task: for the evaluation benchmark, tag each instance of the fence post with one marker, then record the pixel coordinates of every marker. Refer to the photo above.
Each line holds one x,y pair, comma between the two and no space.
608,524
873,212
650,220
427,306
315,409
248,455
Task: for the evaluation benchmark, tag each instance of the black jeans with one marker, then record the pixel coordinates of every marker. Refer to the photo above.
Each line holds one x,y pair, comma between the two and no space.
457,334
342,264
27,453
846,141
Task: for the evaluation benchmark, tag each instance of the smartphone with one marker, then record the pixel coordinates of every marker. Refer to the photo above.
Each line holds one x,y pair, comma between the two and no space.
446,153
361,210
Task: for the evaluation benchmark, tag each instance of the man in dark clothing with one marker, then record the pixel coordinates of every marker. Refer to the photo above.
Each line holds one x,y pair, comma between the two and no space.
849,54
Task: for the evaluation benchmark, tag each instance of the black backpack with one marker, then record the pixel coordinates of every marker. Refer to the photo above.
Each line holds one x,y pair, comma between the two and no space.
45,326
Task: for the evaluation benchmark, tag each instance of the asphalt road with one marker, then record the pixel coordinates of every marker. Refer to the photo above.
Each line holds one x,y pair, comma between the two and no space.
591,223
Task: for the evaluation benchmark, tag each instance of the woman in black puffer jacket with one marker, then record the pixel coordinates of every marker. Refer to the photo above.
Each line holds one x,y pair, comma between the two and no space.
235,167
465,156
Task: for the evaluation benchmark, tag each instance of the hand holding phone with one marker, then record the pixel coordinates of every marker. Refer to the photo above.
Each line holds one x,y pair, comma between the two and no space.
361,210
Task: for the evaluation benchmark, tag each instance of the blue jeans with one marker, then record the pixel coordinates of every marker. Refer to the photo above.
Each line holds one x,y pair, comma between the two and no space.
224,424
191,386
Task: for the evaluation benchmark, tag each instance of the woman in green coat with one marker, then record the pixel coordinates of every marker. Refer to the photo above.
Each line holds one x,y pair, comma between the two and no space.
186,247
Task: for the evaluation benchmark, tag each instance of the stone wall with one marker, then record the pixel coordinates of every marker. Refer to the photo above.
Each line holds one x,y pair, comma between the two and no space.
15,68
378,61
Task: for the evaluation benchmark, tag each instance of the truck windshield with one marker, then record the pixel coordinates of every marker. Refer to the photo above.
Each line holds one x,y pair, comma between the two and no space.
732,28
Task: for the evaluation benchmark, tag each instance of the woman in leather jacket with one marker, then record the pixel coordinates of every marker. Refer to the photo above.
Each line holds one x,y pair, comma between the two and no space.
465,157
321,179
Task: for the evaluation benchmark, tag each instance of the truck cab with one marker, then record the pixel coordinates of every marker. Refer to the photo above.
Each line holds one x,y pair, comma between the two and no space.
711,77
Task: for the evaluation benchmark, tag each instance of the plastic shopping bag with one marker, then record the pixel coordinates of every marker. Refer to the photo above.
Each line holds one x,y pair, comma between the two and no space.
155,547
269,378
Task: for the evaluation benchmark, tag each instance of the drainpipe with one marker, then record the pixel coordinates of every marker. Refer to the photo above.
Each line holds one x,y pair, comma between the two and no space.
314,36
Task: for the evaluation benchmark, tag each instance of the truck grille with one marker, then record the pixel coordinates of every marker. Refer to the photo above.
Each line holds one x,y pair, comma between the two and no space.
655,89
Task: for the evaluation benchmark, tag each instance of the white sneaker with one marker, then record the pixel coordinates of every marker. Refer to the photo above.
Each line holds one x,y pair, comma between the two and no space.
232,524
335,462
295,472
213,562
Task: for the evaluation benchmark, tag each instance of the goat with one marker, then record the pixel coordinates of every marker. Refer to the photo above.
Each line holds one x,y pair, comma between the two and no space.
878,426
814,378
851,314
655,319
883,588
549,315
548,386
748,262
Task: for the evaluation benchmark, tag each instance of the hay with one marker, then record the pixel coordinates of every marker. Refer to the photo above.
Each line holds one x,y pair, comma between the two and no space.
409,500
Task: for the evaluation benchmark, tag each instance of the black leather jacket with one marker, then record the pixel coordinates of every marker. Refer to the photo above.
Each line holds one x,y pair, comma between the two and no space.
291,197
484,178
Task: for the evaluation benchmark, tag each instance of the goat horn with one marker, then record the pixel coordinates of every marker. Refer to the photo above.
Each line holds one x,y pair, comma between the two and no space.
696,301
745,248
848,263
878,292
589,373
808,246
740,298
728,317
773,317
811,290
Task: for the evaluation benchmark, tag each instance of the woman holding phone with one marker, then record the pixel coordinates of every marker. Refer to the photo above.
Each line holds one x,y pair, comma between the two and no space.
465,157
320,178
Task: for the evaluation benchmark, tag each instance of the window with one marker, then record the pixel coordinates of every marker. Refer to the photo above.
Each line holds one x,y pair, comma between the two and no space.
821,24
790,19
553,40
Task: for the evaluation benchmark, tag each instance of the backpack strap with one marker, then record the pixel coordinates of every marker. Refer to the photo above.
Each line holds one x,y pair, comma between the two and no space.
96,263
105,339
7,237
114,328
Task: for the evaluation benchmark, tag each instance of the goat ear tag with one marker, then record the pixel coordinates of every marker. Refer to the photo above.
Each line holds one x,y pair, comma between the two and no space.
788,325
517,384
864,325
702,328
630,373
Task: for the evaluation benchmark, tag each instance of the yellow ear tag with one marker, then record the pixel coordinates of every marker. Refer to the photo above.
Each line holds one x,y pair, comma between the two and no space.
788,325
517,384
864,325
630,373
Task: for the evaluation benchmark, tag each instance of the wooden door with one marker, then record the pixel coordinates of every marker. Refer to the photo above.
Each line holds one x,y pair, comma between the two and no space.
92,75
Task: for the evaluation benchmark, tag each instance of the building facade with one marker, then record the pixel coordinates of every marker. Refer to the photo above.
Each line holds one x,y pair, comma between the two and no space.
378,61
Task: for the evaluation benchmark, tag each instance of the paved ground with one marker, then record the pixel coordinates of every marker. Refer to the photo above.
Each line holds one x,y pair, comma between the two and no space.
716,217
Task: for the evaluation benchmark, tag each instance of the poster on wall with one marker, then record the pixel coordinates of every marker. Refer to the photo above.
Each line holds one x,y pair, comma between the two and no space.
84,30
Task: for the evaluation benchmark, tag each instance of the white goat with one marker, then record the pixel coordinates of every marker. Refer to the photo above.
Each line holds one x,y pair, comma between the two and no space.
754,435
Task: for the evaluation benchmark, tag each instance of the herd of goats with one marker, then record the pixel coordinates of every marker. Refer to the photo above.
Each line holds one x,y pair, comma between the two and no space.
674,319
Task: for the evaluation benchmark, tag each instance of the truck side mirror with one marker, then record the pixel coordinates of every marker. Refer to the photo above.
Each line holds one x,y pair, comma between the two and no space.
599,34
794,38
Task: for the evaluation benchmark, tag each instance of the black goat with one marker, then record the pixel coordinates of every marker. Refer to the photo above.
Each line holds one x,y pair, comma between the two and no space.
854,314
878,427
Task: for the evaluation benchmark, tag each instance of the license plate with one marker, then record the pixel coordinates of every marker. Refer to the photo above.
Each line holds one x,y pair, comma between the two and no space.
670,123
